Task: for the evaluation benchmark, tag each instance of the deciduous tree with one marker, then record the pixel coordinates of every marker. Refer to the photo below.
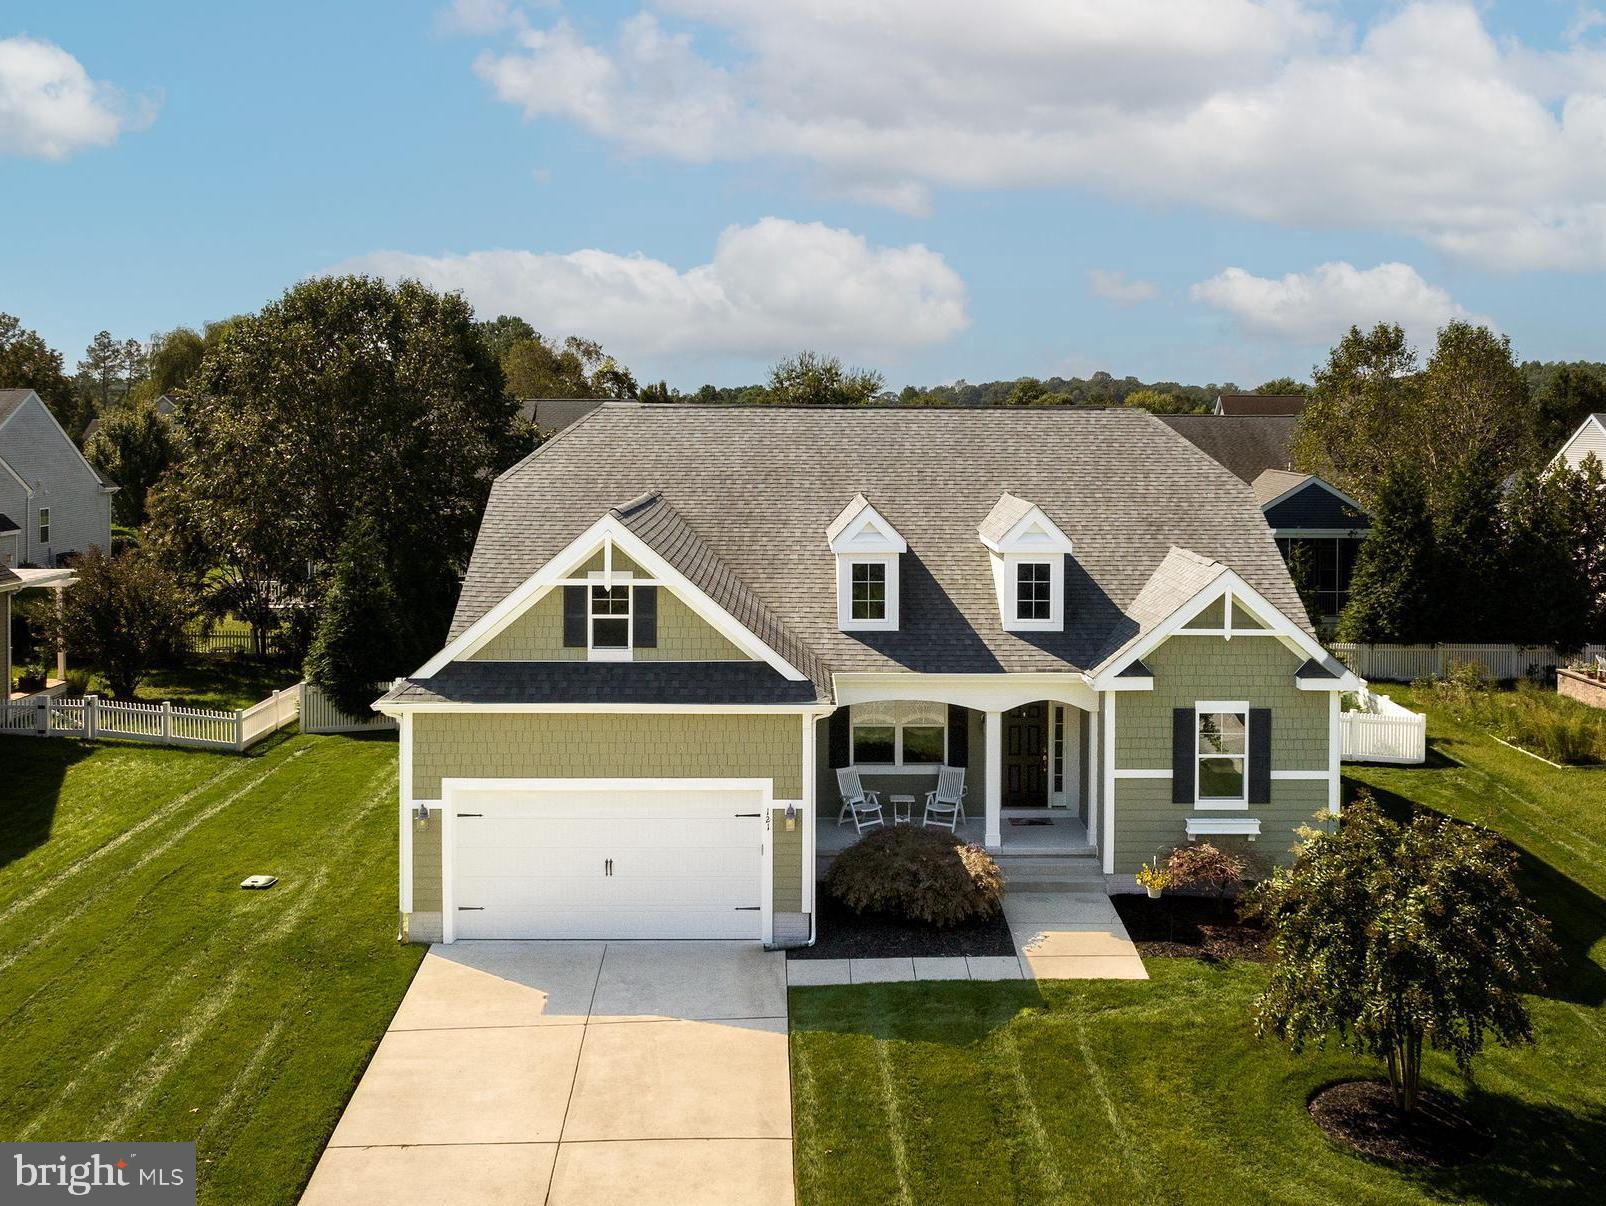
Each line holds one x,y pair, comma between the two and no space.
810,379
134,446
28,362
122,614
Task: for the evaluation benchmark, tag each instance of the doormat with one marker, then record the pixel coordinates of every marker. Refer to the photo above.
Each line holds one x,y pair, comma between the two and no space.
1031,820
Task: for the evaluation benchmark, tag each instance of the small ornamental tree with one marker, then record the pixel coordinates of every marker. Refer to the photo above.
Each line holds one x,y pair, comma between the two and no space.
362,636
1394,937
123,614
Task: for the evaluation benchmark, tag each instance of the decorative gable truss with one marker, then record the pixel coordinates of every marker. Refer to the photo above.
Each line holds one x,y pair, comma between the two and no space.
622,622
1028,552
1229,608
868,549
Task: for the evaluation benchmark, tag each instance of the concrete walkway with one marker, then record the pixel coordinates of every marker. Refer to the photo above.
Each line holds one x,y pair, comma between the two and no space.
574,1072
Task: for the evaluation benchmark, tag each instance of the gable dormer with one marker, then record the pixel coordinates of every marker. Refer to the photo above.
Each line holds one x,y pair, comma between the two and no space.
867,550
1028,553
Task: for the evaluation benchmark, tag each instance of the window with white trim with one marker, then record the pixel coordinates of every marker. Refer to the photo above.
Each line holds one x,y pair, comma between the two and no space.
906,733
868,599
1222,754
44,525
609,621
1034,590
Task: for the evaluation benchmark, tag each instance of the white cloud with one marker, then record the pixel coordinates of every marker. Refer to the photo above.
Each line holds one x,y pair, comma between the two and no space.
1421,122
1316,307
481,17
770,289
50,108
1117,287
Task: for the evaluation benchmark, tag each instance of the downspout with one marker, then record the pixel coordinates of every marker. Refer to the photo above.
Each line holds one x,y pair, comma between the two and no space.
811,776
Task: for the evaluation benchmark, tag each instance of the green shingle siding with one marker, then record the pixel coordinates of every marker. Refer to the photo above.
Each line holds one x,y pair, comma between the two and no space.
536,636
545,745
427,864
786,850
1258,670
684,636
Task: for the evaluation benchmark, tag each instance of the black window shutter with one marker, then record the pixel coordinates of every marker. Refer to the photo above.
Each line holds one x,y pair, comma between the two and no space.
1260,755
1184,746
644,617
958,736
574,617
840,751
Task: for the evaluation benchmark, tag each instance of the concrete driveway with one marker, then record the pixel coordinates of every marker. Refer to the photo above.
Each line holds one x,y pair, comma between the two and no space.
574,1072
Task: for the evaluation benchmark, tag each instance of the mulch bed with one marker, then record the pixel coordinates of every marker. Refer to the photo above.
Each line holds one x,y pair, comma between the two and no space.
1360,1114
1189,927
844,934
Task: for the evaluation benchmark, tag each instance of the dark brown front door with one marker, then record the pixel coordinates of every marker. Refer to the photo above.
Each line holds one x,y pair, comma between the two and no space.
1026,756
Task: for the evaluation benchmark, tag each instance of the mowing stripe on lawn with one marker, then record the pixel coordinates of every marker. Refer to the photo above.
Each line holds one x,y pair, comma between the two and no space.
1096,1079
804,1087
61,920
889,1102
88,862
248,1071
161,1063
157,1003
1048,1170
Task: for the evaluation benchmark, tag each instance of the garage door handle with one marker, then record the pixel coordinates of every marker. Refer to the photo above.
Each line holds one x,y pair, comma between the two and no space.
471,908
471,814
748,908
749,814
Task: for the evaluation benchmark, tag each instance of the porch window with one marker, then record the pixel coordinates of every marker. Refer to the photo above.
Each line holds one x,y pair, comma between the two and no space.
1034,590
1222,752
610,618
899,734
869,590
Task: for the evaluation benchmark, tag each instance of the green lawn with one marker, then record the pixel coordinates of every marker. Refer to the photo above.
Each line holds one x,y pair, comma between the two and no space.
143,995
226,683
1118,1092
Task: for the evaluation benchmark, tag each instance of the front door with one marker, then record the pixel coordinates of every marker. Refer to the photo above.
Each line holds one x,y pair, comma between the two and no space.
1026,756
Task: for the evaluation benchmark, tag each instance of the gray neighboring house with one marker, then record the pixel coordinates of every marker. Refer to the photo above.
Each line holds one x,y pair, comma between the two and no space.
1304,511
54,498
165,406
684,628
554,414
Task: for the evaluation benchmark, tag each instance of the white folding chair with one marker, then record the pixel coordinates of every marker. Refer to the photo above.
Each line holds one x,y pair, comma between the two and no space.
863,806
945,806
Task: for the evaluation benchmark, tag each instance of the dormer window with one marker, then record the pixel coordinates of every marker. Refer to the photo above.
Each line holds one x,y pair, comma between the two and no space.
1028,553
867,550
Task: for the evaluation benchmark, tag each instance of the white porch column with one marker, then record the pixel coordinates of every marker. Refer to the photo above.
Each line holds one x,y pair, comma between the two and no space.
993,732
1095,778
61,646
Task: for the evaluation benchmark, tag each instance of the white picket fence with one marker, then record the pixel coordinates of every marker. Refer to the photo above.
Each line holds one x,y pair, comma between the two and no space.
164,724
1406,663
319,714
1383,731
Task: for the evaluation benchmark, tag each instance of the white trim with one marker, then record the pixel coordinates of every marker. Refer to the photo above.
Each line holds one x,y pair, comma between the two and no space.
897,723
860,528
1319,533
1313,480
450,787
993,779
1142,774
1562,454
1226,585
1226,707
844,592
766,874
1244,826
405,758
26,488
580,549
1095,775
1335,742
980,692
1055,620
806,819
1107,764
610,579
400,707
1034,534
1302,775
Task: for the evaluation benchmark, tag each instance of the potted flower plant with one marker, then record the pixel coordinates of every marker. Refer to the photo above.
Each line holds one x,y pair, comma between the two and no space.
1154,878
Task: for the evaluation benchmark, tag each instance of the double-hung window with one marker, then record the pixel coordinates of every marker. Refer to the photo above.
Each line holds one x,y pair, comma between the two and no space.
1221,755
868,590
609,621
44,525
1034,590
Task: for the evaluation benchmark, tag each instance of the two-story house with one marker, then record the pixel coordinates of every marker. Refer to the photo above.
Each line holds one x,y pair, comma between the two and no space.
52,501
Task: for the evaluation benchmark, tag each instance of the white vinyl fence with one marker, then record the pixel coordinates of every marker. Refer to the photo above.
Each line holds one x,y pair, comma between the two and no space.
319,714
1405,663
163,723
1383,731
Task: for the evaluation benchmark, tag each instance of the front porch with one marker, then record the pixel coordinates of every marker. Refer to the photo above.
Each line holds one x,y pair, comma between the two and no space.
1023,832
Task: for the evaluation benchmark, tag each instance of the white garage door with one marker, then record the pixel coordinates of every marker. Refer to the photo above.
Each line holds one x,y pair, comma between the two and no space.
537,861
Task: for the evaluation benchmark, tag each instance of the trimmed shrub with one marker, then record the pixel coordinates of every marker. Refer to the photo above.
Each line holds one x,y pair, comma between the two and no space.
919,875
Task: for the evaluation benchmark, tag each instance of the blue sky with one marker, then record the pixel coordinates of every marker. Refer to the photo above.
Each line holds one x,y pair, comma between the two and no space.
1195,190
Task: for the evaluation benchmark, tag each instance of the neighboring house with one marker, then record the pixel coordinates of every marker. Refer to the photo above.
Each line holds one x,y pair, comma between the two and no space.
1589,438
679,621
1259,404
10,541
164,406
48,489
554,414
1302,510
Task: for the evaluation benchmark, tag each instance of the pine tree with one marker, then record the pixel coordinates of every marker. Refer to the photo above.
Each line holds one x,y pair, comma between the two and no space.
1470,567
361,638
1545,588
1392,591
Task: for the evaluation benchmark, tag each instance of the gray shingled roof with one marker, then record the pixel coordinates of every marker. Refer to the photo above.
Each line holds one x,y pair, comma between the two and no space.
1006,513
758,486
1261,404
1178,578
10,399
1274,483
1247,445
712,683
554,414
